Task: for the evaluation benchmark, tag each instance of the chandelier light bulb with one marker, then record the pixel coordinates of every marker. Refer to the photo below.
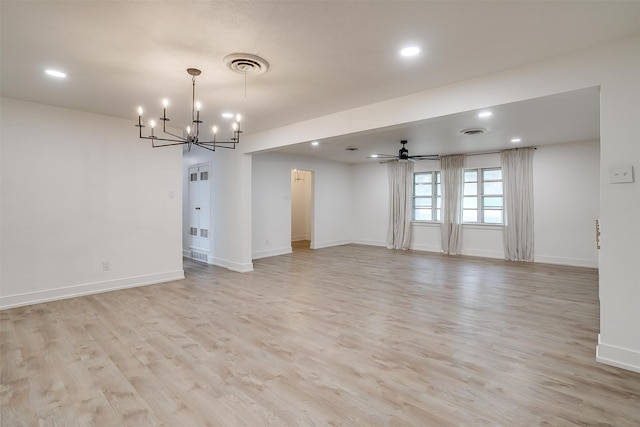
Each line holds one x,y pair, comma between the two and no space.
198,105
165,103
140,110
238,117
215,130
235,126
189,130
152,123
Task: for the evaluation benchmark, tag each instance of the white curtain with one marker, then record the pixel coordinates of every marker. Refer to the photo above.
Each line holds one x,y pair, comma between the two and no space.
517,178
400,204
452,177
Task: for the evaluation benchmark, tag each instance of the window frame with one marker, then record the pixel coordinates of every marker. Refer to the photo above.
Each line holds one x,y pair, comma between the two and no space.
436,197
480,196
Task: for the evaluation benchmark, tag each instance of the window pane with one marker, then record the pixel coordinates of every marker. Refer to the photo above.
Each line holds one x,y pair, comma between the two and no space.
439,189
470,215
471,175
470,189
422,202
492,202
470,203
422,215
438,202
438,213
492,174
421,178
423,190
492,188
493,216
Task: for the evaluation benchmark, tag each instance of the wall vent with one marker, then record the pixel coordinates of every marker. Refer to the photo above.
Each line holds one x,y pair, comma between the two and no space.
198,256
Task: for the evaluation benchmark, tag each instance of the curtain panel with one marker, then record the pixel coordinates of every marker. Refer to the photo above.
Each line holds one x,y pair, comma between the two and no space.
400,204
452,176
517,178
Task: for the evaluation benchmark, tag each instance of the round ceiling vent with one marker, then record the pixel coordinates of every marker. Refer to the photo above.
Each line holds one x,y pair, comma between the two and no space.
245,63
473,131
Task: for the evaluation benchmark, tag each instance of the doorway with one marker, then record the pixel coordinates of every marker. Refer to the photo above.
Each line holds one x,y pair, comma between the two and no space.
301,209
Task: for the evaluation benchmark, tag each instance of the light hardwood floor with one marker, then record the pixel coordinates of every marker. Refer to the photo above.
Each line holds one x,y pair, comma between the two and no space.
349,335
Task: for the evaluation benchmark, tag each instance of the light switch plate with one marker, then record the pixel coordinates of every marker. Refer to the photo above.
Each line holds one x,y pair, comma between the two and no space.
619,174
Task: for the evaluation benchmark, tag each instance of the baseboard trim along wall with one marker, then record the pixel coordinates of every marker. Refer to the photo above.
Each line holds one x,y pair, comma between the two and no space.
233,266
29,298
572,262
320,245
617,356
272,252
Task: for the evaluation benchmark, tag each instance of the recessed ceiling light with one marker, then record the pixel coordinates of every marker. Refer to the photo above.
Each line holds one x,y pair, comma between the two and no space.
55,73
374,156
516,140
227,115
410,51
315,143
484,114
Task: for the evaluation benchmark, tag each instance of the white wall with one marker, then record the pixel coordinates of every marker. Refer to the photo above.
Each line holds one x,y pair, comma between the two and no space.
566,203
271,203
566,193
79,190
230,185
616,69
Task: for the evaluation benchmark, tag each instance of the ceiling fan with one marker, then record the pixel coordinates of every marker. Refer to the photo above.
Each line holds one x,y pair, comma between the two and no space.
403,155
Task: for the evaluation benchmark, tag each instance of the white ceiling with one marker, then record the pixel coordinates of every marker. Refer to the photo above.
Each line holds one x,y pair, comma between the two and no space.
325,56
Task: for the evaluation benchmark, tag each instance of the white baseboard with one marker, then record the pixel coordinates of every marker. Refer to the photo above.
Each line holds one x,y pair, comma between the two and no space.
370,242
573,262
320,245
426,248
29,298
484,254
231,265
272,252
219,262
619,357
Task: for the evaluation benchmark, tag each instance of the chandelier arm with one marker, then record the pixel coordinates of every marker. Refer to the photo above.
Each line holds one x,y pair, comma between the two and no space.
216,143
153,143
224,146
206,147
179,138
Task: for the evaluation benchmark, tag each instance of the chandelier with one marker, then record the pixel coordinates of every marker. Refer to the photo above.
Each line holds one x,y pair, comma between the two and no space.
192,134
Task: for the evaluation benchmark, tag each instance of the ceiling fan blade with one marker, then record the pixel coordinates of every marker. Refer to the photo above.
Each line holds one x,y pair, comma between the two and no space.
383,156
426,157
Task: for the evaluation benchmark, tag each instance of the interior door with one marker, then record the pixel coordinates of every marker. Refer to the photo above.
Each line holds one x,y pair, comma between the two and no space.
199,208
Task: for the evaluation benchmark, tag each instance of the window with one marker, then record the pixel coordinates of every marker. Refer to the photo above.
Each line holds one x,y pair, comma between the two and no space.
482,203
427,192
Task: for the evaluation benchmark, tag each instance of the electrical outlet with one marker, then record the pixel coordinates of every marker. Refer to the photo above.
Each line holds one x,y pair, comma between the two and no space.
106,265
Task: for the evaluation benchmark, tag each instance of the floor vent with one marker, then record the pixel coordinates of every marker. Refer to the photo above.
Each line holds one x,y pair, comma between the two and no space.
198,256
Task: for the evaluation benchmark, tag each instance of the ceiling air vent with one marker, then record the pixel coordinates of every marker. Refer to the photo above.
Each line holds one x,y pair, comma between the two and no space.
245,63
473,131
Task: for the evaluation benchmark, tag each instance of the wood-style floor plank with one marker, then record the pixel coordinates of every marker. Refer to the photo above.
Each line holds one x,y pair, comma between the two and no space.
343,336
